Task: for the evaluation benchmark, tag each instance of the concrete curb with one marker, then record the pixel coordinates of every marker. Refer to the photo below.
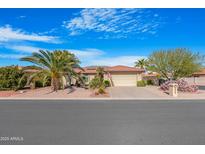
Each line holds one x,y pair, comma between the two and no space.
8,98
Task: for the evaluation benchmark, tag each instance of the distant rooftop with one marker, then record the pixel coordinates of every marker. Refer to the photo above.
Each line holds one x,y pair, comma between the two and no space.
201,72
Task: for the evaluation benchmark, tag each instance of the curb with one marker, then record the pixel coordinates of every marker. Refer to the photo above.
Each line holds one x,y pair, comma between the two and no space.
8,98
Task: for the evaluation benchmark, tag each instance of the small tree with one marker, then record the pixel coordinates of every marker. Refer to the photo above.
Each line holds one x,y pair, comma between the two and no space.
175,64
98,81
100,73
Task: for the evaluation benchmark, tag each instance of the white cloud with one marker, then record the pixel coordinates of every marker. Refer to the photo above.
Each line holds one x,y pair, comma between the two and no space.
89,56
7,33
80,53
11,56
24,49
87,53
21,17
114,22
119,60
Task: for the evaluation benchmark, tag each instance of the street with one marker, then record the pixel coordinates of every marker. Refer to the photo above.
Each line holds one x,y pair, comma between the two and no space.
102,122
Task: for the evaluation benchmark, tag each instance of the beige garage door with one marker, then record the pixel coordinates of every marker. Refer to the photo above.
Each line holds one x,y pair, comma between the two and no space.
124,80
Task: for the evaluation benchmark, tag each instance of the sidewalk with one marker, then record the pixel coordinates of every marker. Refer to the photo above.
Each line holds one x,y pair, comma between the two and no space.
115,93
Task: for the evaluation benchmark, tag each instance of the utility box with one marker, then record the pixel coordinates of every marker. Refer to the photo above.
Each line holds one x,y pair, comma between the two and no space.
173,89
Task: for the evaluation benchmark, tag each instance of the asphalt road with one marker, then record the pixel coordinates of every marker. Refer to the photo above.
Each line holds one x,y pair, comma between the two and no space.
102,122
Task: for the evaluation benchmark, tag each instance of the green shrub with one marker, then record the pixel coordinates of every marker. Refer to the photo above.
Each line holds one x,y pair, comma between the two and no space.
39,83
98,85
101,90
150,82
107,83
141,83
95,83
10,77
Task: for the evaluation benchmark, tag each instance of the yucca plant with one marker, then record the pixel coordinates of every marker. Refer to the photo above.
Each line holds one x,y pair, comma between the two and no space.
98,81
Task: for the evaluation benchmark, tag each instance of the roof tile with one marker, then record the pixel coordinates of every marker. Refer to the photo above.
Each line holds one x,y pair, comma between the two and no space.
118,68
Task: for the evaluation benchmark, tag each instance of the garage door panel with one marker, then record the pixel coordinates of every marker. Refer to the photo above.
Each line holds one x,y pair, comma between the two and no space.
124,80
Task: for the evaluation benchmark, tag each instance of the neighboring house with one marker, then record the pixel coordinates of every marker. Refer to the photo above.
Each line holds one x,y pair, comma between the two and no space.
200,73
117,75
197,78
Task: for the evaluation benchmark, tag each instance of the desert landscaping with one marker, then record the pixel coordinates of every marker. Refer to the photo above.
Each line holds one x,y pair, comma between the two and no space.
58,75
149,92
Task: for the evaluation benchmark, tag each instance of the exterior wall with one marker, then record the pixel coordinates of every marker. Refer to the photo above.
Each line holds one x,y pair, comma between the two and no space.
196,80
73,81
121,79
90,77
139,77
65,82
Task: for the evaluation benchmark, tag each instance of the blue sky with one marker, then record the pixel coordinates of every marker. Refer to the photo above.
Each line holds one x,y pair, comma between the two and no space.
99,36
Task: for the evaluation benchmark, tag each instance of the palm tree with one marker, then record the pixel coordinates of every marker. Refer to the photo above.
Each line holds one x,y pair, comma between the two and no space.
142,63
56,65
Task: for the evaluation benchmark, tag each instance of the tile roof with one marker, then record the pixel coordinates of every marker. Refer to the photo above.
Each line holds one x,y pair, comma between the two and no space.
202,72
118,68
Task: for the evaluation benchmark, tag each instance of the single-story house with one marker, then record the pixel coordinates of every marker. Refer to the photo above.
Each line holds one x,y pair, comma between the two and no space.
201,73
197,78
117,75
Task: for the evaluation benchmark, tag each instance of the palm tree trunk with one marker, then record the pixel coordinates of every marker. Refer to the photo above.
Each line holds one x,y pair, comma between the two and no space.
55,84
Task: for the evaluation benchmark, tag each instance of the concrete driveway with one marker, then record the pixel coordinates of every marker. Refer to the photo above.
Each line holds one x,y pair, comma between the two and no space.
136,92
151,92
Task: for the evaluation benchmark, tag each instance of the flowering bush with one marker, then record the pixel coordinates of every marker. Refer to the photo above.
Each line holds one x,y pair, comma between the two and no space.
182,86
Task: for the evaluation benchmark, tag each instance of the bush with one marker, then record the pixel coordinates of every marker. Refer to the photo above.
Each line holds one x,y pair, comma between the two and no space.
101,90
97,85
10,77
182,86
39,83
141,83
150,82
107,83
161,81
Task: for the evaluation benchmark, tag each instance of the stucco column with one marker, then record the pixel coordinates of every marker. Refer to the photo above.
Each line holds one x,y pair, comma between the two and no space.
173,89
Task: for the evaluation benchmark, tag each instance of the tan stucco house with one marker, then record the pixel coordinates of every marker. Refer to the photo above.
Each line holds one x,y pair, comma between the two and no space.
198,77
118,75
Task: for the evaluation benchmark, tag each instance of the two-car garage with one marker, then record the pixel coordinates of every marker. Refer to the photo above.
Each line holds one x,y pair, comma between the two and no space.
124,80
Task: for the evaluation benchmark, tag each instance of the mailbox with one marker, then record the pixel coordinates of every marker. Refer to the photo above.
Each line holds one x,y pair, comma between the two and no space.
173,89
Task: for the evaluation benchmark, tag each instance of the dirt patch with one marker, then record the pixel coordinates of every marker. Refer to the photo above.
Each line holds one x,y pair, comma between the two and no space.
46,92
7,93
100,95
